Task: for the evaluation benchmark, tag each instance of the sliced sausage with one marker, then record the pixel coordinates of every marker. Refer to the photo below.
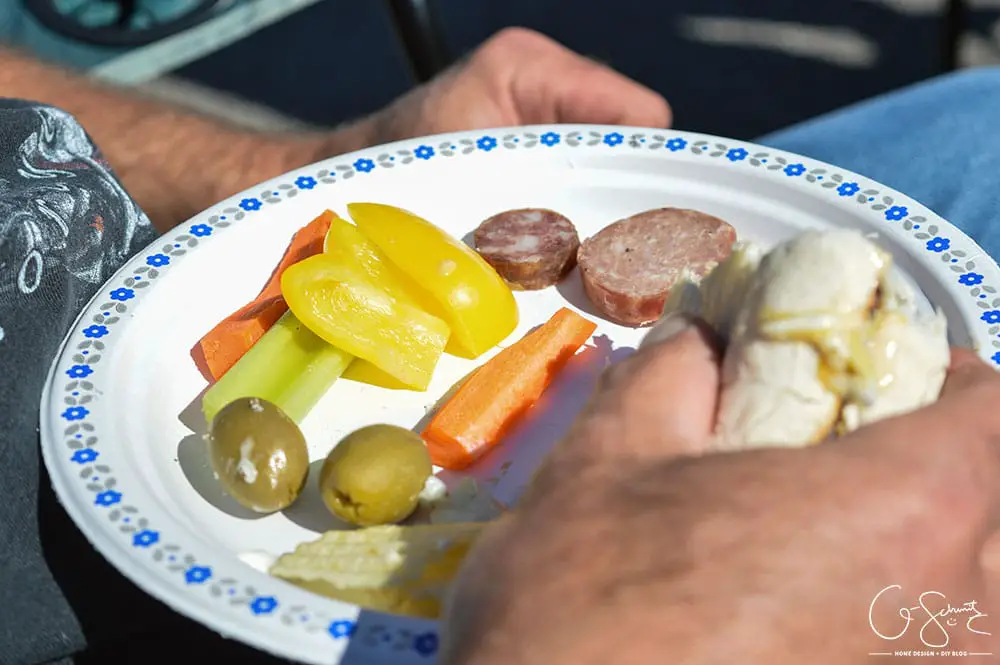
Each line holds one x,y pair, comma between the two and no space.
629,267
531,248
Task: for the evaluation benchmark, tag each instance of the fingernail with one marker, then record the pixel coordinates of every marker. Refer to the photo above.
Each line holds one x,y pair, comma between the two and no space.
667,328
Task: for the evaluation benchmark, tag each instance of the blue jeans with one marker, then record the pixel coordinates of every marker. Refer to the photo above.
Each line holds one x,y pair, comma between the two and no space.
937,142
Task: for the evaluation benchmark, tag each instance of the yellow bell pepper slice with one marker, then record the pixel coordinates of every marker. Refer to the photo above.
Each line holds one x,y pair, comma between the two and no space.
471,297
346,243
363,371
339,302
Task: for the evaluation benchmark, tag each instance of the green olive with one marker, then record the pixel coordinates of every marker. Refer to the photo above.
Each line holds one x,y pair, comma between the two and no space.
259,454
375,475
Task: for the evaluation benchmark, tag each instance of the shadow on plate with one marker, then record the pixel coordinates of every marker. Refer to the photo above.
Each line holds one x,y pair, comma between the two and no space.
192,457
520,454
193,460
388,633
192,416
508,467
441,401
470,239
309,511
571,288
526,447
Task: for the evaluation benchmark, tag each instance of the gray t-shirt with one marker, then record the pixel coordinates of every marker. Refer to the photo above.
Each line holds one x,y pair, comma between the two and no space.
66,224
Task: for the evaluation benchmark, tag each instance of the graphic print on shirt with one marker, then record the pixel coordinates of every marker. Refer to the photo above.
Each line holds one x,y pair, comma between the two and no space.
61,208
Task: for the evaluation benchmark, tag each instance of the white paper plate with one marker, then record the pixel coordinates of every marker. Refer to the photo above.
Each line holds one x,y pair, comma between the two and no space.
119,418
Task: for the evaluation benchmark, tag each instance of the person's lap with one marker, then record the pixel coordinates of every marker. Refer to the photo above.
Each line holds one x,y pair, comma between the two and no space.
937,142
934,142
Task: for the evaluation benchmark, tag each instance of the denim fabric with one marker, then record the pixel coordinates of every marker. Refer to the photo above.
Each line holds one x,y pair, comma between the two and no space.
937,142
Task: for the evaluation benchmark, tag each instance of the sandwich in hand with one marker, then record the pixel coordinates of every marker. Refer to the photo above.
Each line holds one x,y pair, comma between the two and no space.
820,338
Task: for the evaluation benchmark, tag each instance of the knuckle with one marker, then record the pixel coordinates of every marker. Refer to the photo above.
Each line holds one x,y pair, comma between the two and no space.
506,42
516,36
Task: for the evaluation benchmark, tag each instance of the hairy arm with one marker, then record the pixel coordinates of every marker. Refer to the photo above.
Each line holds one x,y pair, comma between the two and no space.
176,163
160,152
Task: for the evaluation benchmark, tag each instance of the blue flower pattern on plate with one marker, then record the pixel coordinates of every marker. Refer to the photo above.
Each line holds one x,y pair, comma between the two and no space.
427,643
971,279
95,331
341,629
549,139
197,574
145,538
737,154
486,143
676,144
75,413
85,456
305,182
938,244
122,294
896,213
848,189
79,371
107,498
263,605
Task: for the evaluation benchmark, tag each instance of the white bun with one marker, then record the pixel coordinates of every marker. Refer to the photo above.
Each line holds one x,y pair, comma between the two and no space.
820,339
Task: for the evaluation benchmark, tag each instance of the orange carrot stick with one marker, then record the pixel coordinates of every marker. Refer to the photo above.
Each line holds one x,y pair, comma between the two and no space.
226,343
491,401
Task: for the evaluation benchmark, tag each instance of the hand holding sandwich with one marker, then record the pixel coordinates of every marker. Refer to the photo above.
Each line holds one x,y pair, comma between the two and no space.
637,545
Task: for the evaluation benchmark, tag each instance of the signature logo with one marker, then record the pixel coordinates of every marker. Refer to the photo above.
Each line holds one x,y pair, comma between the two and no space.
938,613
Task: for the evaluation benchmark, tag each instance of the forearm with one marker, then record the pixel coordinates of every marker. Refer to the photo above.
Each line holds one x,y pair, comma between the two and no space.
172,161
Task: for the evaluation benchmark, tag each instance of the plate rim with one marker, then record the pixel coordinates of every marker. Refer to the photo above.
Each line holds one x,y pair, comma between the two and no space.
559,137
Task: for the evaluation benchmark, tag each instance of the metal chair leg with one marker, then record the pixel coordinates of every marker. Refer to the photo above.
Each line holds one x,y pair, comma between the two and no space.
421,34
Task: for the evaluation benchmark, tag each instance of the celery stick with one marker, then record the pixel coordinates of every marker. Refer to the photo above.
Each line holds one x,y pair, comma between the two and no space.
289,366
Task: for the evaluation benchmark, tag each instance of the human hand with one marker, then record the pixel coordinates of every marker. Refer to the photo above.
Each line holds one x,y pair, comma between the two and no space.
635,541
521,77
517,77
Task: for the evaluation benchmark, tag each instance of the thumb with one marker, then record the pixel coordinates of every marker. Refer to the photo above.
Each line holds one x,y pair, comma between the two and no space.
658,403
592,93
549,83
